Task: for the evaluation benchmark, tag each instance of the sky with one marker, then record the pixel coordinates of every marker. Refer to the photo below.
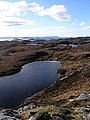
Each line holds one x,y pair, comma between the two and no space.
27,18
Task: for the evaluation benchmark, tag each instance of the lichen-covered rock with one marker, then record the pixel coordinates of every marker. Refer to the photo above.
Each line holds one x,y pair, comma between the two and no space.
85,113
9,114
84,96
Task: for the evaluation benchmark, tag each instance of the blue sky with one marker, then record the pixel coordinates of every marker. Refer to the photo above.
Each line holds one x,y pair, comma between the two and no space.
64,18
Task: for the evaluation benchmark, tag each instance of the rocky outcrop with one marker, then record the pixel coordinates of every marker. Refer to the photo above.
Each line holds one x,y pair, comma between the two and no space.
46,116
84,96
9,114
41,116
85,113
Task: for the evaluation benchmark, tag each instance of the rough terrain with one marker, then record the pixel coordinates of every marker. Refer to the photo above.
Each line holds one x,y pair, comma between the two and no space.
60,101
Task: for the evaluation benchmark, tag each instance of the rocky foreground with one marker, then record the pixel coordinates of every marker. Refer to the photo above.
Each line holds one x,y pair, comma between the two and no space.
75,108
69,97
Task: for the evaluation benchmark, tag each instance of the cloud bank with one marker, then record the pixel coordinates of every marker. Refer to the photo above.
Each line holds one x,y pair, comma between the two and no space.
8,10
57,12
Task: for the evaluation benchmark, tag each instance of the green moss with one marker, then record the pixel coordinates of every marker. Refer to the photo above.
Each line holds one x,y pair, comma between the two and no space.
51,109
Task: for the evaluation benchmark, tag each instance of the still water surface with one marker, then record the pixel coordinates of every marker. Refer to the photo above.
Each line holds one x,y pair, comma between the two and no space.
32,78
71,45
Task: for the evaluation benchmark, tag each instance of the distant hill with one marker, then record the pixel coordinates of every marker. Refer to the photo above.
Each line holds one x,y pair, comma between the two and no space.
29,38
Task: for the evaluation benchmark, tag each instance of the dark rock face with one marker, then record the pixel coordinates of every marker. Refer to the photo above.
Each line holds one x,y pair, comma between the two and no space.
41,116
62,117
46,116
83,56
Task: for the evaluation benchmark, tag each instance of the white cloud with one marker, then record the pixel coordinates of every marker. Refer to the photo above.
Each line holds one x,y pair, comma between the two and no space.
14,21
58,12
87,28
10,13
21,8
12,8
82,24
35,7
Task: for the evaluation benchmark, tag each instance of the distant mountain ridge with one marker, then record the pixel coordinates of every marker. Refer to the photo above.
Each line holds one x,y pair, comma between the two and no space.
29,38
42,38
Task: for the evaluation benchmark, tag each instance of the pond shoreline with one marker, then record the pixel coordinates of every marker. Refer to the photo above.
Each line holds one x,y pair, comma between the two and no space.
23,61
